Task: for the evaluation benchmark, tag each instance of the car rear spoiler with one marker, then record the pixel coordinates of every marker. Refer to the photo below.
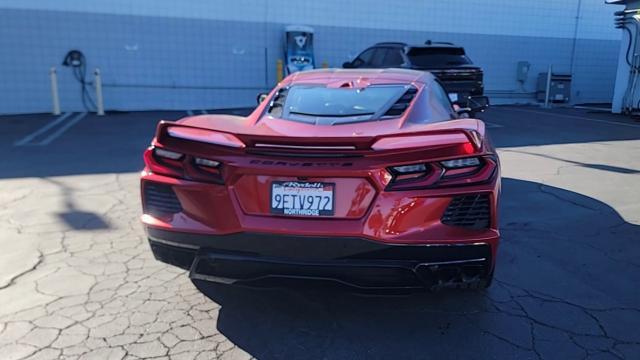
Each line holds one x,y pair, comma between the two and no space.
172,132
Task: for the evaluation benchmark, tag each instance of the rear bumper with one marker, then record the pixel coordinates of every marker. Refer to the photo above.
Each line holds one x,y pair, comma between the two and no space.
356,262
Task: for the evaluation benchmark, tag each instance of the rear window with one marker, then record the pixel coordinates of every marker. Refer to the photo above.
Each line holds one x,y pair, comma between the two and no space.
428,57
322,105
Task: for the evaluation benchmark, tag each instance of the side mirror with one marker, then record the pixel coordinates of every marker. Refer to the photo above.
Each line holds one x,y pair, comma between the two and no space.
478,103
473,105
261,97
462,111
347,65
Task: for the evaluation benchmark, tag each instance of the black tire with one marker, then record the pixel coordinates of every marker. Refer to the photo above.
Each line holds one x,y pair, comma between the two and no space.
487,281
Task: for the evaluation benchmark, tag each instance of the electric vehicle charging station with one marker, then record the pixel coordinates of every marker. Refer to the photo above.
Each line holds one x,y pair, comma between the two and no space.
626,98
298,49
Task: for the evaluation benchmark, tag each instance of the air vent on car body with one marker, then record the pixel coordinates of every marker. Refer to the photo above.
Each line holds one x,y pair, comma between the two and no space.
160,200
402,104
277,104
470,211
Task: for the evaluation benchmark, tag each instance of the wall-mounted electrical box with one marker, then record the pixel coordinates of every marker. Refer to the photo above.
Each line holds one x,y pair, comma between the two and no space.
523,71
559,89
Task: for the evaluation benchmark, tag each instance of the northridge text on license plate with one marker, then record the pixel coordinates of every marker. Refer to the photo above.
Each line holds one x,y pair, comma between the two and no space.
302,198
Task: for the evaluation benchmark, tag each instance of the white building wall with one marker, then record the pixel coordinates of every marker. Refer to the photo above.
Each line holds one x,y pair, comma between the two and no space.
204,54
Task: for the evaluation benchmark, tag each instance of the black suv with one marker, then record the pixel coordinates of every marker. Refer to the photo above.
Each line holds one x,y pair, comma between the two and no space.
448,62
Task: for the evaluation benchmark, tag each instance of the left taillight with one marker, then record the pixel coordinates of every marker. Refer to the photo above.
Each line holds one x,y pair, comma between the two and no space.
175,164
166,154
164,162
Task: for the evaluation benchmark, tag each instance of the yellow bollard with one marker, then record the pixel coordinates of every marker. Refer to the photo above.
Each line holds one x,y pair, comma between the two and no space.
325,65
279,68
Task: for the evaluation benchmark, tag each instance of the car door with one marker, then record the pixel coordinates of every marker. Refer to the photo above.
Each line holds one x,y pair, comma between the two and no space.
364,59
393,58
377,61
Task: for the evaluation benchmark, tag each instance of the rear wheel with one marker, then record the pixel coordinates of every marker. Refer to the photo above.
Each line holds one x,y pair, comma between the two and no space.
487,281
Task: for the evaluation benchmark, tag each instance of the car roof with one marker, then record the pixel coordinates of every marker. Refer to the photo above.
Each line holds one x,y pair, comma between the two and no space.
326,76
427,44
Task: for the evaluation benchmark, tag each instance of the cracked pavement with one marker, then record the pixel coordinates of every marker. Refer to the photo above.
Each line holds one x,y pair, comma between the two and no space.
78,281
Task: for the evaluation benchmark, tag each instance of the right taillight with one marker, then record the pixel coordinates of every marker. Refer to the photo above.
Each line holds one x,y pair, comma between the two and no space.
411,176
408,172
450,172
467,171
461,167
461,163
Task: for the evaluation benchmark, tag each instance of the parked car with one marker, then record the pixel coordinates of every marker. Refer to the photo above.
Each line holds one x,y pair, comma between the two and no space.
448,62
369,178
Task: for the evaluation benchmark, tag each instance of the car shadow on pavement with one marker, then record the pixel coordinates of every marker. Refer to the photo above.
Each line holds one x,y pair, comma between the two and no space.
517,126
603,167
562,288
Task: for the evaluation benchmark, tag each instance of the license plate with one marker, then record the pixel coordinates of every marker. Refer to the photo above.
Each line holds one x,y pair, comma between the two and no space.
298,198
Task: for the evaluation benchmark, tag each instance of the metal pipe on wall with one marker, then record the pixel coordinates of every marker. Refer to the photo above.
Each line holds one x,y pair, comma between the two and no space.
575,36
548,87
55,99
622,21
99,99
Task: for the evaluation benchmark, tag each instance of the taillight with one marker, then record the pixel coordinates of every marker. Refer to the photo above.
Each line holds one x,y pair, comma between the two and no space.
467,171
171,163
407,172
459,171
467,148
207,163
476,138
460,167
166,154
165,162
411,176
460,163
207,170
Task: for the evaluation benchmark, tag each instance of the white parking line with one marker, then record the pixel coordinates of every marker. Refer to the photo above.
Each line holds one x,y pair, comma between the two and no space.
63,128
491,125
577,117
594,108
42,130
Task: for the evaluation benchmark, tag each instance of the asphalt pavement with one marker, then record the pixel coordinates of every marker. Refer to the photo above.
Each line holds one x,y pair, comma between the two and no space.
78,281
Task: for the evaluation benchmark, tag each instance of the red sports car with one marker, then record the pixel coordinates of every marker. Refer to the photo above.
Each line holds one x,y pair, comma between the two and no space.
369,178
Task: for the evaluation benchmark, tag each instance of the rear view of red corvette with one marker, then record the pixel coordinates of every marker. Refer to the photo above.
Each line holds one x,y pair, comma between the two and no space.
368,178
